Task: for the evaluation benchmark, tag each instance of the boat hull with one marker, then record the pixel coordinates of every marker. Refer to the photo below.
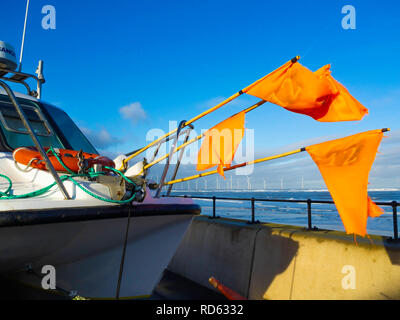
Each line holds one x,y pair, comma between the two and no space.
85,246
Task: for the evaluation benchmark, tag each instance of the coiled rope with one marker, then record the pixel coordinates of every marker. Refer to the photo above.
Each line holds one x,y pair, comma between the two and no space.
7,195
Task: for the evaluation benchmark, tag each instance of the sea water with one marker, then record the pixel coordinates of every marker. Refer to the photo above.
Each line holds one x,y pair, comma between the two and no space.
324,216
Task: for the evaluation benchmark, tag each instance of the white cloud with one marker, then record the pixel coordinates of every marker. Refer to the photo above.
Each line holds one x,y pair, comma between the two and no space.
133,112
101,139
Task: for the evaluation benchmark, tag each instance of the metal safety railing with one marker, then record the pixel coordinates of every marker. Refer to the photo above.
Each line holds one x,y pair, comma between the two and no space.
20,77
172,151
35,139
309,202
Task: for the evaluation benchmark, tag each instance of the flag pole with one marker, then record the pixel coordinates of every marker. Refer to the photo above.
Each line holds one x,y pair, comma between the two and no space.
254,106
176,129
201,115
282,155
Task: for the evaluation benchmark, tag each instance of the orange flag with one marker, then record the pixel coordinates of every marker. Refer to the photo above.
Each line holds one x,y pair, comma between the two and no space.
340,104
220,144
316,94
345,164
266,87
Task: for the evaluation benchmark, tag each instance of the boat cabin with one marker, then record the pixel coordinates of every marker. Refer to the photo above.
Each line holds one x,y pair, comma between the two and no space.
52,125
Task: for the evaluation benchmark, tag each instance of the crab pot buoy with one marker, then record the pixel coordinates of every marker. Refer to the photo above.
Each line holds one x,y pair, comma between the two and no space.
8,58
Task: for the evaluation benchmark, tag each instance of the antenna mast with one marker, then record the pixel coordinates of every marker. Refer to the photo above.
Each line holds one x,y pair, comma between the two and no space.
23,36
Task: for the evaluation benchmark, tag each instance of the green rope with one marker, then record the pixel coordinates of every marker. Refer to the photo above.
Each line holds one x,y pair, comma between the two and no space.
120,173
59,160
93,175
7,194
99,197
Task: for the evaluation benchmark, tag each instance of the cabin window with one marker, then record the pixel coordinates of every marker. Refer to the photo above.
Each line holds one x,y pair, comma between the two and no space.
14,134
12,122
53,127
67,130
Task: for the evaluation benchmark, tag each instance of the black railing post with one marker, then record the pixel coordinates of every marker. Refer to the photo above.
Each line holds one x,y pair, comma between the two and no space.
214,205
253,212
214,216
395,225
309,201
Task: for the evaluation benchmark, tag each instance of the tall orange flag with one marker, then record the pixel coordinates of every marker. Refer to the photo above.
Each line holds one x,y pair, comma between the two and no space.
220,144
345,165
316,94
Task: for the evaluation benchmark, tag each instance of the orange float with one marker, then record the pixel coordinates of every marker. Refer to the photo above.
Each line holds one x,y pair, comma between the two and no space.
30,156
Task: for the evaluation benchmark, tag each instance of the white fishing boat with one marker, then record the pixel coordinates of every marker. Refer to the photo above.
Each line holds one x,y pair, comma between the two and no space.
106,234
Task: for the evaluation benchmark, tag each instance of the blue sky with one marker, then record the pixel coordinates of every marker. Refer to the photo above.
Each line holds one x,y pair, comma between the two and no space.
169,60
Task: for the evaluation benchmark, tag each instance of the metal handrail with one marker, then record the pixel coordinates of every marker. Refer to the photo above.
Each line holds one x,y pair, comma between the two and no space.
7,75
309,202
35,140
159,144
178,163
172,151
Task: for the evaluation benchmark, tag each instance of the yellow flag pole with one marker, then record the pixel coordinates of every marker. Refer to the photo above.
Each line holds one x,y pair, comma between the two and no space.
282,155
201,115
254,106
186,124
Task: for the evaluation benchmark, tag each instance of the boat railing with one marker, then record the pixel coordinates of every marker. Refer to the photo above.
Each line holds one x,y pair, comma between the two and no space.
35,139
21,77
173,149
309,202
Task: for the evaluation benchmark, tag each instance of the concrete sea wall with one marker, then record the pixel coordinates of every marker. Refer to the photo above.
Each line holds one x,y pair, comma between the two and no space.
270,261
